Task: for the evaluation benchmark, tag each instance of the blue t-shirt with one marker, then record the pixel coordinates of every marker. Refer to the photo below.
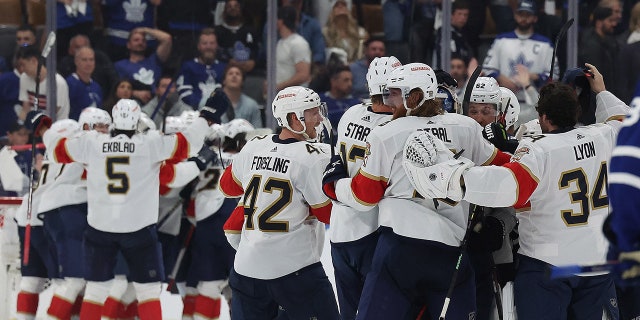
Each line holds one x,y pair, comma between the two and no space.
337,107
82,95
146,72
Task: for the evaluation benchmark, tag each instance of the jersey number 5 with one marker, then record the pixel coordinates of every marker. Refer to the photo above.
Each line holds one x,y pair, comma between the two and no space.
588,201
265,217
118,181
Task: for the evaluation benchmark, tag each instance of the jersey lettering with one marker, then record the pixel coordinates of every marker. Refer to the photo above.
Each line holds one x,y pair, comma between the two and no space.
357,132
440,133
270,163
584,151
118,146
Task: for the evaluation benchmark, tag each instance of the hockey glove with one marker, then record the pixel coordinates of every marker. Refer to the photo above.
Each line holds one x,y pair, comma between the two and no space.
441,180
488,234
36,121
496,134
334,171
205,157
444,78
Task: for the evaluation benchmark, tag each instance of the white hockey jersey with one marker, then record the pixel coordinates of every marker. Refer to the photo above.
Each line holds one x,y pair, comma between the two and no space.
123,173
348,224
208,197
68,186
560,183
382,179
283,200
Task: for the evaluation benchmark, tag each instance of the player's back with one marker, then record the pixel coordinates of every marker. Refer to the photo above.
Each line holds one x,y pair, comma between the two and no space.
68,185
123,179
354,127
208,197
562,222
282,182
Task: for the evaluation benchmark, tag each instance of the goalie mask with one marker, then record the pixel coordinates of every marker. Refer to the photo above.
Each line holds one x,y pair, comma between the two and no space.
126,114
379,70
449,99
296,100
408,77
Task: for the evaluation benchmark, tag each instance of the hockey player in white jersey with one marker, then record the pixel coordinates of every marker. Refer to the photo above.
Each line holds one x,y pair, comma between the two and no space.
278,259
417,249
122,185
353,233
557,181
64,208
43,262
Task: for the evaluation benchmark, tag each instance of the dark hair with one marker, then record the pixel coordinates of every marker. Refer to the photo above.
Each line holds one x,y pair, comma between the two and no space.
334,72
228,67
16,126
27,52
373,39
459,5
112,99
601,13
288,15
206,32
559,103
27,27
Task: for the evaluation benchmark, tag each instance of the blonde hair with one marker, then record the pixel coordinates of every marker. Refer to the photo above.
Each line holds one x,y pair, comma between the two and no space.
353,36
634,19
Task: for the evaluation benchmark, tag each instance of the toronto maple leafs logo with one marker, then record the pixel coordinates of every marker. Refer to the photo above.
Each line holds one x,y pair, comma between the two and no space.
134,10
144,75
520,59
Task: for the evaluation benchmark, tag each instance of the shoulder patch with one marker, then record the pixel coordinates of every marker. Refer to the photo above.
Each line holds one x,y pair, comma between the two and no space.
521,152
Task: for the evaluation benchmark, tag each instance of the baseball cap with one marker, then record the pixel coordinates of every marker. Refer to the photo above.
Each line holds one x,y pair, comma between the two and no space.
527,5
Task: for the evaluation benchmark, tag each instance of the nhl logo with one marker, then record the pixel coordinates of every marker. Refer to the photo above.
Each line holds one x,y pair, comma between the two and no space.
614,302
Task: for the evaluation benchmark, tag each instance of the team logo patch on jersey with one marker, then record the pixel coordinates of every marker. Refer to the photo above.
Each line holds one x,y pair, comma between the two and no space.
614,302
367,152
521,152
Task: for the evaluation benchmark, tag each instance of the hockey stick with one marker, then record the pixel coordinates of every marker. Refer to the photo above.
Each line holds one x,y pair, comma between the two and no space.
561,34
556,272
497,290
25,147
51,40
467,91
176,267
163,97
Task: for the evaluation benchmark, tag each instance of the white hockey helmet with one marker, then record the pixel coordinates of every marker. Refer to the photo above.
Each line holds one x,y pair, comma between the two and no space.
509,106
188,116
379,70
92,116
295,100
414,76
486,90
237,126
126,114
174,125
66,127
145,123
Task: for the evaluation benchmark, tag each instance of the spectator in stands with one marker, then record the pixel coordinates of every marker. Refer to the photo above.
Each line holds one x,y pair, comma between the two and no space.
630,53
185,20
172,105
309,28
25,35
244,107
458,70
342,31
459,43
28,58
104,73
338,98
123,89
10,105
144,71
237,41
373,48
122,16
521,51
83,91
200,76
17,135
599,47
293,64
73,18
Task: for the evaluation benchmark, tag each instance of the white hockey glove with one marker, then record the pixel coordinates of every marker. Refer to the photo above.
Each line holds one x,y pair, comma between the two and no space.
441,180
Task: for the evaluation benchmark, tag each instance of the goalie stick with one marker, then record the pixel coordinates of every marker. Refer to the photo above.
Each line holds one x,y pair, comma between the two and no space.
51,40
561,34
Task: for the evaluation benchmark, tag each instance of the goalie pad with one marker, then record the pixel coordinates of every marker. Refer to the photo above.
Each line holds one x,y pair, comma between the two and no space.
440,180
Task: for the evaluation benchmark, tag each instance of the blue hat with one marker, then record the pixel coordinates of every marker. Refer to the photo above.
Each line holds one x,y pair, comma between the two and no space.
527,5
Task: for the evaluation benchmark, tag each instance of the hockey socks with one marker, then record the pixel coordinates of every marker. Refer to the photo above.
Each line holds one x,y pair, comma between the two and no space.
150,310
207,308
27,304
